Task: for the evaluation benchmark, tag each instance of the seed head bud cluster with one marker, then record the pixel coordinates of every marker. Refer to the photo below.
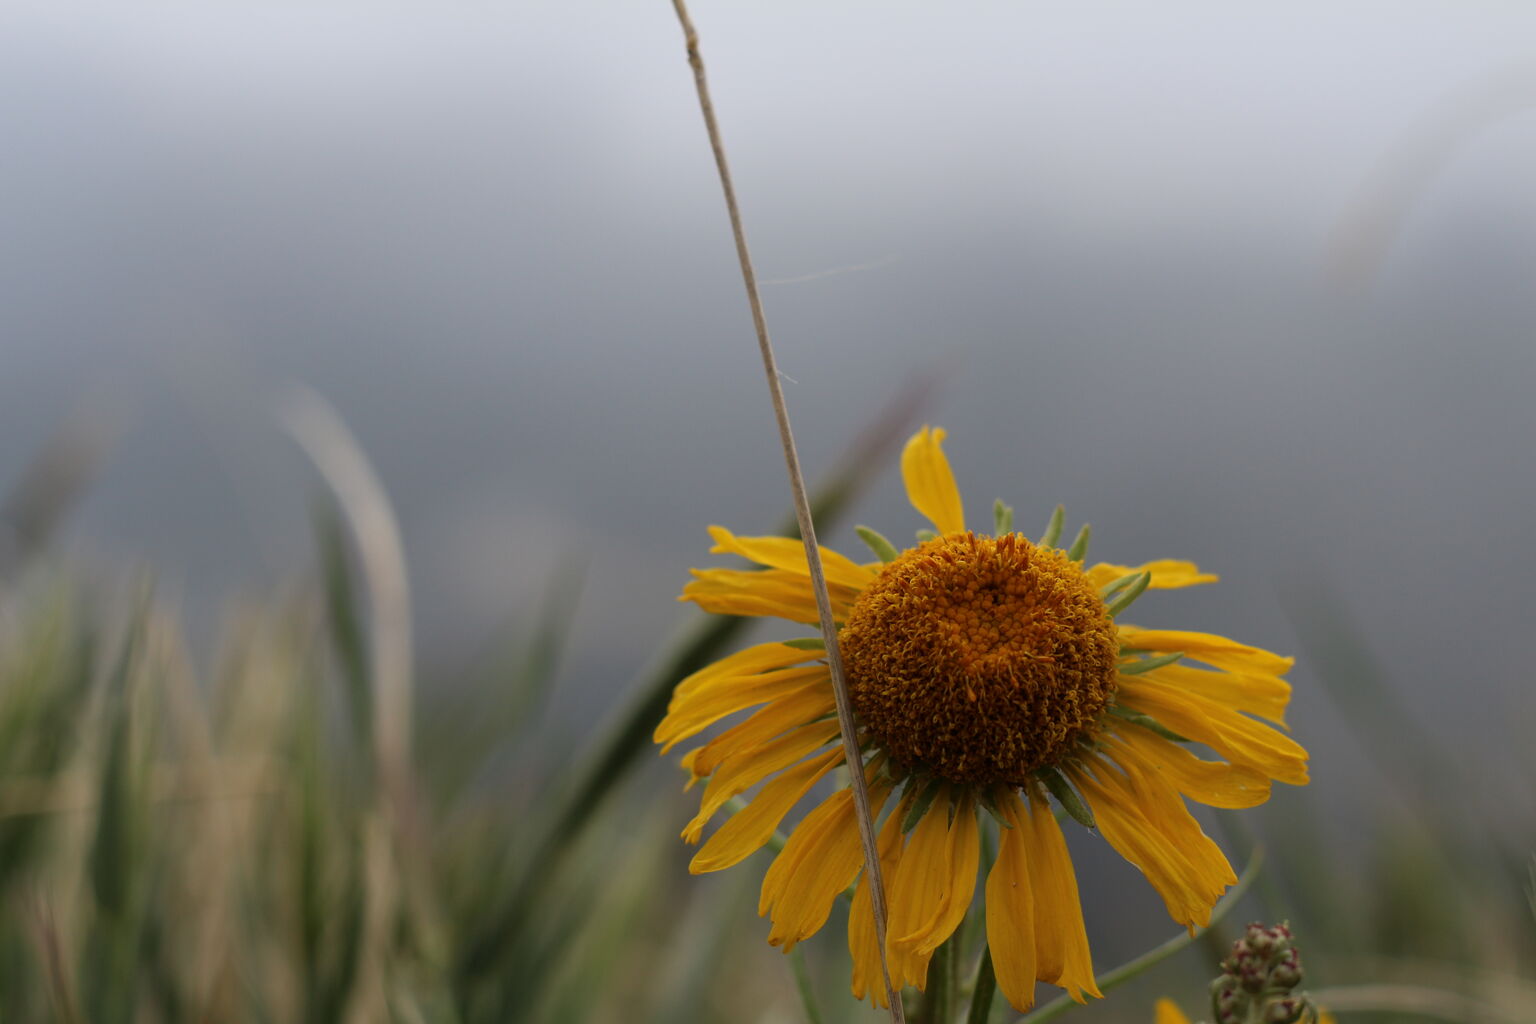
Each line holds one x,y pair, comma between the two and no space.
1258,980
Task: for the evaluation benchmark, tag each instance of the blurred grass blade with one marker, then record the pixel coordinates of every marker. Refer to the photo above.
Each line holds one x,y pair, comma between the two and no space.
111,970
346,630
47,489
628,734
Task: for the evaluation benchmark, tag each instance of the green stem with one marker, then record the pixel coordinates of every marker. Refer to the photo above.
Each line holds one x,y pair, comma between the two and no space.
803,983
938,1001
1125,972
985,989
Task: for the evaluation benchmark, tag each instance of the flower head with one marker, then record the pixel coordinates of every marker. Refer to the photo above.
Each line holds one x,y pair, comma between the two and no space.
987,674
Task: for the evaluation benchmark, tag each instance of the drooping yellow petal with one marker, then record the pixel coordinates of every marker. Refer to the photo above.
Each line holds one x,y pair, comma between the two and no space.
1256,693
1011,911
1167,1013
1213,783
788,554
748,662
1167,574
773,592
961,855
919,893
821,859
1239,739
753,826
1061,941
1147,824
692,713
930,482
862,943
1207,647
789,711
743,771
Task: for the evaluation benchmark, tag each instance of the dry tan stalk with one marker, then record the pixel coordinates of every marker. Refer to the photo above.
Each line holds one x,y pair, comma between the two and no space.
802,510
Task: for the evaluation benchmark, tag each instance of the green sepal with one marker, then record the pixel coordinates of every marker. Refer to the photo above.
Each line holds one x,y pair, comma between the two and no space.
806,643
1052,532
924,536
1148,664
883,549
1114,585
989,804
929,789
1002,518
1146,722
1079,546
1065,795
1130,593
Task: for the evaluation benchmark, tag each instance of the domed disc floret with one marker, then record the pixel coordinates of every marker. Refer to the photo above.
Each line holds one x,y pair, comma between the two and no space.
980,659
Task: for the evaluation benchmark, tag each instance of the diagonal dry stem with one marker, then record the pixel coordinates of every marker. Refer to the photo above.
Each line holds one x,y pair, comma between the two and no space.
802,509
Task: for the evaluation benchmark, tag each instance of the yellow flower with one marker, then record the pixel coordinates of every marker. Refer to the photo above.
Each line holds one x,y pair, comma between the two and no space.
1167,1013
986,673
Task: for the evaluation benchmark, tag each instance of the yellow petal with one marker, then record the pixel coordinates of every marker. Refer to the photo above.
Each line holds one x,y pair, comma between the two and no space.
1213,783
1148,825
961,854
748,662
1167,574
690,714
1207,647
753,826
1256,693
919,890
746,769
1238,739
931,483
1011,911
821,859
789,711
789,554
862,944
1061,941
1167,1013
774,592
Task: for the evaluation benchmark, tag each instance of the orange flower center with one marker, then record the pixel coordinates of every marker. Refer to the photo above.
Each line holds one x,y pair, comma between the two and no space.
980,659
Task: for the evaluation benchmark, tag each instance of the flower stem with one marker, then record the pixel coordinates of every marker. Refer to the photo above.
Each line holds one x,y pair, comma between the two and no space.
803,983
985,989
938,1001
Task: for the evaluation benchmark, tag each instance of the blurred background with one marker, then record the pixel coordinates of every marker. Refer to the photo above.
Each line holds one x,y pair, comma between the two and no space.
1248,285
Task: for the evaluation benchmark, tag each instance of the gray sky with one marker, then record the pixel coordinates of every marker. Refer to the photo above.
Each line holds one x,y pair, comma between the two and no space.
490,235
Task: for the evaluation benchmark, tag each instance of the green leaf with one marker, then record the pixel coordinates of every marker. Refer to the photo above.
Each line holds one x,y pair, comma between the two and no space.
1065,795
1002,518
1123,600
1052,532
883,549
924,536
1079,547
